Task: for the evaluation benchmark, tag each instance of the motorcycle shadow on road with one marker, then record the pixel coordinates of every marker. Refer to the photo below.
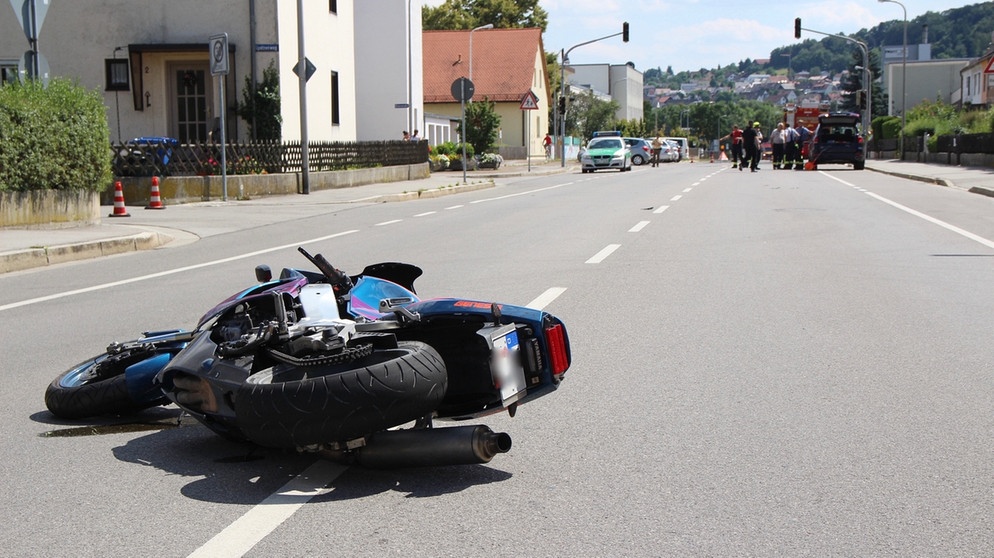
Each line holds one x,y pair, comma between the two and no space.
232,472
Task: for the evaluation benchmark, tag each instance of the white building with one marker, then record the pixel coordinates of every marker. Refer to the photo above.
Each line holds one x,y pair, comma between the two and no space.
622,82
150,61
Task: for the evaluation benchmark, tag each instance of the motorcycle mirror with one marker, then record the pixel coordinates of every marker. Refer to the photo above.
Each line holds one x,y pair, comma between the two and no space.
263,274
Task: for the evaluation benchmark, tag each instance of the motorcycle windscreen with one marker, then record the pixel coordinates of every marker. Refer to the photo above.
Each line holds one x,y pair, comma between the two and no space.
371,297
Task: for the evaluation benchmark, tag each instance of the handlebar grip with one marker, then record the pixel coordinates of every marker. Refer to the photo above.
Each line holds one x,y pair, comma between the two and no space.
335,275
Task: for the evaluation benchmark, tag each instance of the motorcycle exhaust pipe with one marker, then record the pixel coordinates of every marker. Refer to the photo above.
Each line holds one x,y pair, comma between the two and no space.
431,447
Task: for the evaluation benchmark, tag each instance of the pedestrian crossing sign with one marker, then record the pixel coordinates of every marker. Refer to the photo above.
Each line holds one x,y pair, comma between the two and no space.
529,102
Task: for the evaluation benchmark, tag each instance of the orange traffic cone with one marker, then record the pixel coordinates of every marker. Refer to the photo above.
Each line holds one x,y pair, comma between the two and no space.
154,201
119,209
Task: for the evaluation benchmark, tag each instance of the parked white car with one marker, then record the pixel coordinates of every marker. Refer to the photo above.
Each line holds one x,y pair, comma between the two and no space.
684,147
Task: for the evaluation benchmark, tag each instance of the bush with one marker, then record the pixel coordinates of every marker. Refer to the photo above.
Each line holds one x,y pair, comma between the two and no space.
53,138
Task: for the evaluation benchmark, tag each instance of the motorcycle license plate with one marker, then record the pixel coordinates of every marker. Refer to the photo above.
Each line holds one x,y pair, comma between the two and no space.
505,362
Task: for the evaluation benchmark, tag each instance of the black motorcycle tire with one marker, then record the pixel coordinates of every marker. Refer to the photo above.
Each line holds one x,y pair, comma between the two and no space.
72,396
292,407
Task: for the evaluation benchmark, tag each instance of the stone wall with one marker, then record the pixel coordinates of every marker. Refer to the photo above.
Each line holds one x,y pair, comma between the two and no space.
188,189
49,208
72,208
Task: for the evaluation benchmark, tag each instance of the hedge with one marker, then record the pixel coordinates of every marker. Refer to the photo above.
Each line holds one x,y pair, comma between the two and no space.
53,138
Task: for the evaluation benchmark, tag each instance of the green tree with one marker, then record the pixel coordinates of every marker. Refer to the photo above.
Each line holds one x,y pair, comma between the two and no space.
467,14
262,111
853,82
482,125
587,114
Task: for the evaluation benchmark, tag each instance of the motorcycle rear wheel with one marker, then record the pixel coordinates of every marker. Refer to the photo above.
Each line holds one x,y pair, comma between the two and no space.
289,406
79,393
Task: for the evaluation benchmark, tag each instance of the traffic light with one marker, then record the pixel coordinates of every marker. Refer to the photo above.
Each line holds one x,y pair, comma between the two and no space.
861,100
624,31
797,28
562,105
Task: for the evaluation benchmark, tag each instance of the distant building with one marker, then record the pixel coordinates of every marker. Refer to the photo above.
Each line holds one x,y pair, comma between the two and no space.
621,82
927,79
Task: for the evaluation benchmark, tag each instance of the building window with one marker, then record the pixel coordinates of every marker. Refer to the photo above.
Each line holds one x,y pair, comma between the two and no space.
336,117
333,6
8,73
117,74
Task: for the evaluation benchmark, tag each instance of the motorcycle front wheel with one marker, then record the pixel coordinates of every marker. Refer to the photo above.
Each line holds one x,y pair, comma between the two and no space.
98,386
291,406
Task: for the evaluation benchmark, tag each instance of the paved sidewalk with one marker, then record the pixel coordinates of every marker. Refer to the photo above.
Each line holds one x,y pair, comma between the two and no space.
979,180
147,229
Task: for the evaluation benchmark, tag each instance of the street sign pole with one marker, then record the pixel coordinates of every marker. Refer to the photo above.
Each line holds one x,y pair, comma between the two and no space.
302,84
218,47
462,90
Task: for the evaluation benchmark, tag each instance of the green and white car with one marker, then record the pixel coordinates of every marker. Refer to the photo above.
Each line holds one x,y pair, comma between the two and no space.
606,153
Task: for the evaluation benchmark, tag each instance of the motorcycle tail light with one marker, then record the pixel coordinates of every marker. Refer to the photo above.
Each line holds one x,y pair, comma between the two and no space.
555,336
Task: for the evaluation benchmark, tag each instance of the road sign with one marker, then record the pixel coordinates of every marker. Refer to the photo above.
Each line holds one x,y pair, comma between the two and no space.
27,64
530,101
218,47
990,67
309,69
462,89
22,9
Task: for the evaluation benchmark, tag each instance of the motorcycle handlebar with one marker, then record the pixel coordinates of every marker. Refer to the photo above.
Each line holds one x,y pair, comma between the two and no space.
335,275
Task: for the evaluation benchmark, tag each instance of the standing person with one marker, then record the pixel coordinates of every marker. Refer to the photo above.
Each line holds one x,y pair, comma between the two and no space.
803,135
407,136
736,135
751,142
657,148
777,141
790,149
415,136
547,145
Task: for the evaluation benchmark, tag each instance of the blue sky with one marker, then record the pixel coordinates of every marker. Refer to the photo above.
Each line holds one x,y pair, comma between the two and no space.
691,34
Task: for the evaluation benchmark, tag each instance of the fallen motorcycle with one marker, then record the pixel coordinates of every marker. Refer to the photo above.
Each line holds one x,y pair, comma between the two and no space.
356,368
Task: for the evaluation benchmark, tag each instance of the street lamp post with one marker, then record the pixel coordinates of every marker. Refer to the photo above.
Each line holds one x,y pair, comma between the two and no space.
487,26
788,55
564,57
718,135
865,117
904,72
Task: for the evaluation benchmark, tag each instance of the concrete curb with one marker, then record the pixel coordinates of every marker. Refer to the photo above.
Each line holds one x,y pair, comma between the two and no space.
50,255
435,192
926,179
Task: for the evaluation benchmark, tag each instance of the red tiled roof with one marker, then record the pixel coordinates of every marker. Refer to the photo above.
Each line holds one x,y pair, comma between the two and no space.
503,63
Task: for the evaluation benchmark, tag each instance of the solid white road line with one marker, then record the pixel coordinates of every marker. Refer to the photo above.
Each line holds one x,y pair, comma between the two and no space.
933,220
603,254
522,193
239,537
169,272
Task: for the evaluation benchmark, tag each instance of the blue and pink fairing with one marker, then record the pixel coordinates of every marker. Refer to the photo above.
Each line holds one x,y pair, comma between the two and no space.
291,285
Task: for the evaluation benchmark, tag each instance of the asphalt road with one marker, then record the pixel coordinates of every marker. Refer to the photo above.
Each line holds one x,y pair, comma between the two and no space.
778,363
